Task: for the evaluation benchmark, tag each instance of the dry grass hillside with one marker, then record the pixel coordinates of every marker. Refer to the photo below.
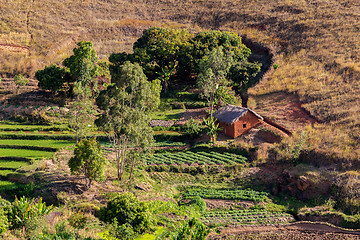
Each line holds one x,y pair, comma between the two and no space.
316,45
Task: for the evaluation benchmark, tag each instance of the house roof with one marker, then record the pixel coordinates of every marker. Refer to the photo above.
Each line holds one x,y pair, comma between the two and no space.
229,114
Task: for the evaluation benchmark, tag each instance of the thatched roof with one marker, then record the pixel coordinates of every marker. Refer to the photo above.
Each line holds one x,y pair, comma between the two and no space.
229,114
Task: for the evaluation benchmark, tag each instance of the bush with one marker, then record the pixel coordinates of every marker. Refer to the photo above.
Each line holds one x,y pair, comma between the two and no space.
192,128
4,209
24,210
51,77
128,209
198,203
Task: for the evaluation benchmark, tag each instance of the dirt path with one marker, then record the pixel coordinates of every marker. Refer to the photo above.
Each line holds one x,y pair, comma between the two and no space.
300,227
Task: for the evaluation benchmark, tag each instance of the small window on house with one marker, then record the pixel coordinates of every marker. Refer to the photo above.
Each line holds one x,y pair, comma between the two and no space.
244,125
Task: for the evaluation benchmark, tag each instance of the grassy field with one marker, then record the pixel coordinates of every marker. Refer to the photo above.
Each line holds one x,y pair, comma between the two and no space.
37,143
12,164
25,153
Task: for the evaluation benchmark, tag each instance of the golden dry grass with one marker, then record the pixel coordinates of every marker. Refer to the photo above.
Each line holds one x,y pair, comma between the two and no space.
316,44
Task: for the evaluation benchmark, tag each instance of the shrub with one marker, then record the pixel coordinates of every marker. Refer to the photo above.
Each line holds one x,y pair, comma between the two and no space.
128,209
24,209
192,128
51,77
4,222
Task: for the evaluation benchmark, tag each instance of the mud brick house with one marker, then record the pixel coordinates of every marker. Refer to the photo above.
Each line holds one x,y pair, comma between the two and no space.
235,120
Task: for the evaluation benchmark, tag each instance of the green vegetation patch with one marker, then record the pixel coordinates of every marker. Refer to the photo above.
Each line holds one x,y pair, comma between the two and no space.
211,158
25,153
174,114
173,178
36,136
5,185
12,164
38,143
246,216
4,173
22,127
228,194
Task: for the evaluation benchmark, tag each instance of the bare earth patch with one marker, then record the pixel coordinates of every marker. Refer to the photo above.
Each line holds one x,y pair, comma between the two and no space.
284,109
298,230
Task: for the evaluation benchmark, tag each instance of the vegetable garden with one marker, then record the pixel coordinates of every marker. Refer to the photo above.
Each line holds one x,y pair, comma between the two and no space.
227,194
246,216
211,158
173,178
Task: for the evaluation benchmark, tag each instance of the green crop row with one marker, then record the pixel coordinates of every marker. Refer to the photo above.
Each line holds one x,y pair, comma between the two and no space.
40,145
20,127
7,165
189,157
246,217
25,153
228,194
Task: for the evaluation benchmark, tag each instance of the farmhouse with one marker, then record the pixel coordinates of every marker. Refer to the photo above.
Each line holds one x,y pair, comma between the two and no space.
235,120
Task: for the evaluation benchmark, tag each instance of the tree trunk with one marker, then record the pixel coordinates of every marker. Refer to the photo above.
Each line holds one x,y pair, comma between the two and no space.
211,109
118,159
132,168
244,97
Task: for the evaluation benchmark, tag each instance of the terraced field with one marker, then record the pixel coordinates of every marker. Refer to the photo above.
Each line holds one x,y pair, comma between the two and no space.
22,145
188,158
245,217
227,194
173,178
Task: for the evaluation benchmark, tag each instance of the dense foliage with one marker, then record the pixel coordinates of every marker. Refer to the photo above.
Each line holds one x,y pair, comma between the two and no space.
51,77
128,211
89,160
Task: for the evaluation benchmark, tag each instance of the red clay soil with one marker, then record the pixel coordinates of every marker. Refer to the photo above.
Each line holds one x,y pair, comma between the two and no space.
300,228
284,109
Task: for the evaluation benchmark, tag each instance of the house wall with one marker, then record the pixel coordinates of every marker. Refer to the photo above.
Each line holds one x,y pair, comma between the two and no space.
238,127
228,130
249,119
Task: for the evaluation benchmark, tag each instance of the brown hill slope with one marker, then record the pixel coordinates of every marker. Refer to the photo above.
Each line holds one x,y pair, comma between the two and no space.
316,44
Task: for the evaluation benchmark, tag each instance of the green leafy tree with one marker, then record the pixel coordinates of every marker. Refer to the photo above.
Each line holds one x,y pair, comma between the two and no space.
244,75
89,160
125,107
20,81
51,78
127,210
81,113
158,49
84,71
214,69
83,63
205,42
